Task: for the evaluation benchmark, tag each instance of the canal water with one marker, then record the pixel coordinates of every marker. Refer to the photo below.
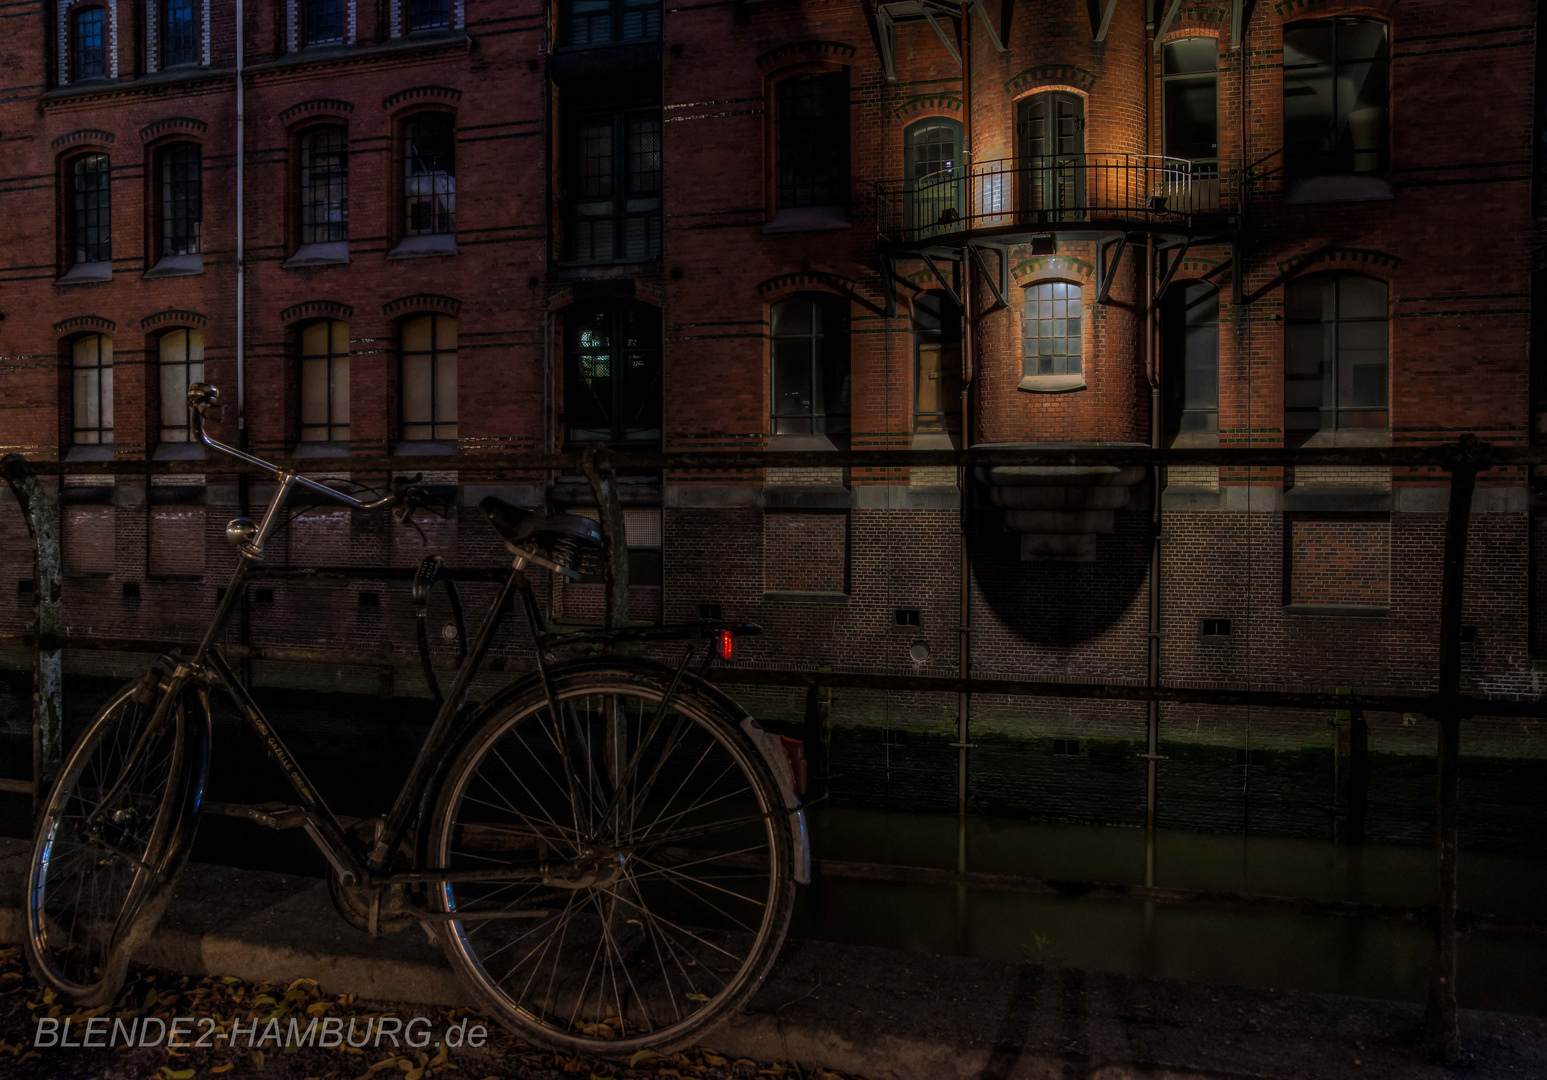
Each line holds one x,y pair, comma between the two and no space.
357,748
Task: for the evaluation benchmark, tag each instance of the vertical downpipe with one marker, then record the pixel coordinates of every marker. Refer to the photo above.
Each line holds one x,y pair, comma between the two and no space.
964,647
1152,742
242,492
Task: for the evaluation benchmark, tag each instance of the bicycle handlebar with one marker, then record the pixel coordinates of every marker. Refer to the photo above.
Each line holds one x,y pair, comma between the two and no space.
204,403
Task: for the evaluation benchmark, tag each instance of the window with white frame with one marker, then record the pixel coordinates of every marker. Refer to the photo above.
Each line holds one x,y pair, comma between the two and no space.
180,360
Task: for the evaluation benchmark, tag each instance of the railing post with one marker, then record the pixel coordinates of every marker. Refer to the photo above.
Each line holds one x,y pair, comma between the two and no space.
38,506
1443,1032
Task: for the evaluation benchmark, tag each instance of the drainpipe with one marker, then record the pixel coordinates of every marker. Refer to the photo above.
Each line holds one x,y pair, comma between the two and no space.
1152,726
964,645
241,248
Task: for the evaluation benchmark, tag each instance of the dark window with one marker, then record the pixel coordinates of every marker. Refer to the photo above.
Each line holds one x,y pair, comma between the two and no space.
1215,628
1191,83
180,355
1336,89
1251,757
90,221
92,390
937,349
370,600
182,203
811,117
88,48
179,38
324,185
325,381
323,23
614,203
428,392
936,191
597,22
1050,141
1335,355
906,616
811,391
429,14
1190,321
1051,329
1066,746
612,373
712,612
430,174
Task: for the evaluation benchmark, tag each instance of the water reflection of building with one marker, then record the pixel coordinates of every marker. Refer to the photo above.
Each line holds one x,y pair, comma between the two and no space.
744,227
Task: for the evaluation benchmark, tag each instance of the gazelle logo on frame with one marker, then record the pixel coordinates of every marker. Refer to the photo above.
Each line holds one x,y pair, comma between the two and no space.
327,1032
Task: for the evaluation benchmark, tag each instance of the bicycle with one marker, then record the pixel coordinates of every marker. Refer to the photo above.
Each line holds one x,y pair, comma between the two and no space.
606,849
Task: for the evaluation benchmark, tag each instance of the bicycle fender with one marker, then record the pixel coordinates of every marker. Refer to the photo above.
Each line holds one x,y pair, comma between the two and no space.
773,753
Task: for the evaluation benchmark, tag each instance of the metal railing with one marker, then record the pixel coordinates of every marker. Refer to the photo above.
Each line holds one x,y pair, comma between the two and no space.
1065,191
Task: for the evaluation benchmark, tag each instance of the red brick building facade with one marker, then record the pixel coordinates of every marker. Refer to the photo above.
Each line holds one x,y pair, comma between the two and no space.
475,227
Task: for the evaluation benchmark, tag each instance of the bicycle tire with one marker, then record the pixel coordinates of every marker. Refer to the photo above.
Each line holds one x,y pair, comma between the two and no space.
84,918
705,936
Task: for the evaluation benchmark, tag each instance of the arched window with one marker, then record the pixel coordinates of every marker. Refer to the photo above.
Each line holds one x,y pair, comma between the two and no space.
1337,84
324,178
811,389
612,372
937,350
89,225
181,203
322,22
179,34
1050,142
325,381
936,189
427,390
1051,329
1335,355
180,358
1190,348
88,44
429,14
429,175
91,359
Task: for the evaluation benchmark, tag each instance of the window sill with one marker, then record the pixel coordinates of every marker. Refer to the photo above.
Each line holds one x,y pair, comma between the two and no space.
88,575
806,597
179,451
90,452
1051,384
1351,611
1194,440
1346,437
797,443
321,450
1314,190
87,273
176,266
424,447
177,579
809,219
418,247
331,254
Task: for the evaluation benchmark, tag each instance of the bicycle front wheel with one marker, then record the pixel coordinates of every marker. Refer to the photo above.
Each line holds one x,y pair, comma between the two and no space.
621,875
97,873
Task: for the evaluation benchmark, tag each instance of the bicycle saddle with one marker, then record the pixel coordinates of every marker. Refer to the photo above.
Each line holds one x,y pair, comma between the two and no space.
572,542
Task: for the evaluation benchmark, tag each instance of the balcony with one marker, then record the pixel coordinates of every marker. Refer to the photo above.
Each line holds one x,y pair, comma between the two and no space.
1067,193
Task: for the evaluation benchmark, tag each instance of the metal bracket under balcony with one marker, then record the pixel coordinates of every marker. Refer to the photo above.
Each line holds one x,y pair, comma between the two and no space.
1012,200
893,13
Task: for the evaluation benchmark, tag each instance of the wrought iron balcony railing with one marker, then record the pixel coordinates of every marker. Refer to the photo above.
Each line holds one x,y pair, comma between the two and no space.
1061,193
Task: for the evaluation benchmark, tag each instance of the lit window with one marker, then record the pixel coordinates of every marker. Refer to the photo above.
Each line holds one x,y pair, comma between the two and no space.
1190,329
614,209
323,23
325,382
936,190
612,373
88,45
179,38
90,222
429,14
429,378
429,175
324,186
1335,354
937,344
182,203
597,22
181,360
811,366
1336,89
811,123
92,363
1051,329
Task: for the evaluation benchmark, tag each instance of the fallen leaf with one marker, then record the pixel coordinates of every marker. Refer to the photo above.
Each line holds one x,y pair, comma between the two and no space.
176,1074
227,1067
640,1056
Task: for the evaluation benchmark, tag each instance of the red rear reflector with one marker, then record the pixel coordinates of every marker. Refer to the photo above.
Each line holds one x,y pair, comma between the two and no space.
724,644
795,753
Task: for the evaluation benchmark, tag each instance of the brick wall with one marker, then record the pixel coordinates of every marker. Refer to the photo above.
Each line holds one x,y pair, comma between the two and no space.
1340,562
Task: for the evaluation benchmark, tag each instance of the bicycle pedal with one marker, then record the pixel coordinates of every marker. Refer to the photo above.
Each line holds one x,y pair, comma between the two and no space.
277,815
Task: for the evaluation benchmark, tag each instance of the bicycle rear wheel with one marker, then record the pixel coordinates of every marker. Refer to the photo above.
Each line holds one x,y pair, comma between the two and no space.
108,844
639,864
